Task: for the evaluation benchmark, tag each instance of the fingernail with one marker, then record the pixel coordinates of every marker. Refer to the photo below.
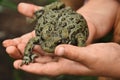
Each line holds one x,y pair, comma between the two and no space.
60,51
17,64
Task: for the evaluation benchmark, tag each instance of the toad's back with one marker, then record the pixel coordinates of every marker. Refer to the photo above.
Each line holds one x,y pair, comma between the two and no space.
56,24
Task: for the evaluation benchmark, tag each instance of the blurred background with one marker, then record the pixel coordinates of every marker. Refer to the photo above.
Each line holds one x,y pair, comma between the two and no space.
13,24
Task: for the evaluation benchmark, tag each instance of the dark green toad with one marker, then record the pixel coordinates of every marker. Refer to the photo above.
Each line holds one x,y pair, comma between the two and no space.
56,24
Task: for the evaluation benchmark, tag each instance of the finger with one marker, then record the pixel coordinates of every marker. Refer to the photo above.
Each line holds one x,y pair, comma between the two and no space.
38,68
75,53
11,42
38,49
27,9
7,43
64,66
13,52
23,39
21,48
26,37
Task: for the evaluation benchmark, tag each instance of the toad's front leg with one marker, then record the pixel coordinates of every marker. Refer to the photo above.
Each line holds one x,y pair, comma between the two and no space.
28,52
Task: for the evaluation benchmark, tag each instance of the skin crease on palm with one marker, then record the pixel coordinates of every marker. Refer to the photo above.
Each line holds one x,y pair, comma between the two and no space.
101,59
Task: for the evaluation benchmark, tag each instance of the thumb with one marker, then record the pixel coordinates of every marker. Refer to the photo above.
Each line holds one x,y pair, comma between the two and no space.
73,52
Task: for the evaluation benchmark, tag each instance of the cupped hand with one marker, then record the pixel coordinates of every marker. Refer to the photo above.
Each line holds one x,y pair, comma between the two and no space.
101,59
15,47
75,60
99,19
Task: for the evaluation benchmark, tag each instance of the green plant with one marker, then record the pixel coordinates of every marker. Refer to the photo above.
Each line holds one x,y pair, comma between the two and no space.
8,4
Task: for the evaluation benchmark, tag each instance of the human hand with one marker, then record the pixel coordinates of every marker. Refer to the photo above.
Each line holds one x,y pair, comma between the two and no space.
101,59
94,60
96,8
16,46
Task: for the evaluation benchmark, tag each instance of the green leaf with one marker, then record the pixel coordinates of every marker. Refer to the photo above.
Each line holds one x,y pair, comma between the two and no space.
8,4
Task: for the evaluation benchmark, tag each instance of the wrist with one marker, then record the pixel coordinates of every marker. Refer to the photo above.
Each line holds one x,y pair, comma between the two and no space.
100,17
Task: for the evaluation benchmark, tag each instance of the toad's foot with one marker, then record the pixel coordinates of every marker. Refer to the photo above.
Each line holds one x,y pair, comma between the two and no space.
28,59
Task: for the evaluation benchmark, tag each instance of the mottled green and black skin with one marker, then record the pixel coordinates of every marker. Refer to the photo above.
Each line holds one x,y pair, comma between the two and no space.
56,24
